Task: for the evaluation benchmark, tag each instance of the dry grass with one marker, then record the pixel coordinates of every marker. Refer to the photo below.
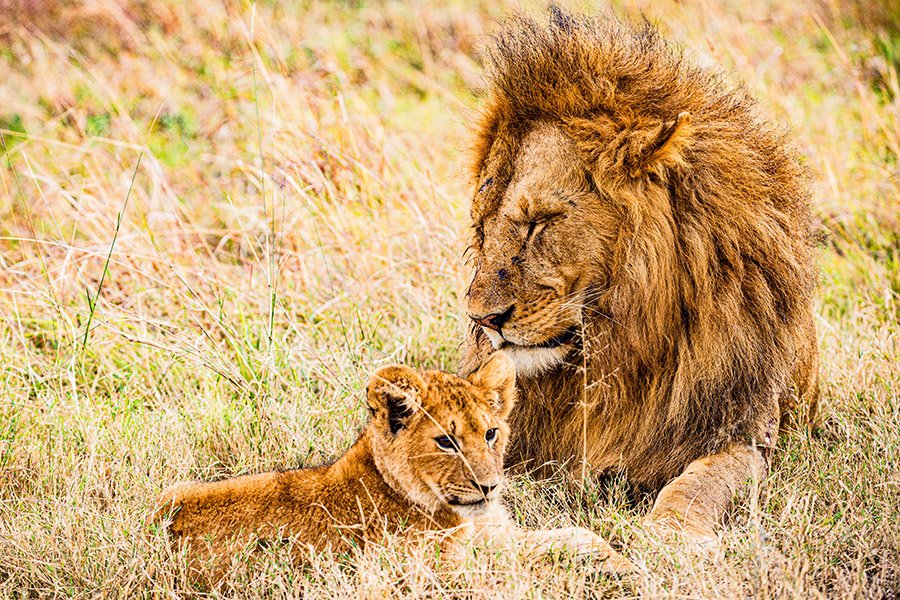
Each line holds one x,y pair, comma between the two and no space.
289,182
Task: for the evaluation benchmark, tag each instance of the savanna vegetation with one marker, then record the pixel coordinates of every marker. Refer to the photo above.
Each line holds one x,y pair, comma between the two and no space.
217,219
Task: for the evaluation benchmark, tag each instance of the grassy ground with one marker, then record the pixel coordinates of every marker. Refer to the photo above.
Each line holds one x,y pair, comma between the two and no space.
216,222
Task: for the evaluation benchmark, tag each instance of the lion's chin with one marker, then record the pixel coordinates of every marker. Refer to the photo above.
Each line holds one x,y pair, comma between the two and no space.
535,359
531,361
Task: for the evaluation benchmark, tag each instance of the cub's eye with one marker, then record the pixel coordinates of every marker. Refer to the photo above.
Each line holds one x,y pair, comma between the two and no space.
490,435
446,443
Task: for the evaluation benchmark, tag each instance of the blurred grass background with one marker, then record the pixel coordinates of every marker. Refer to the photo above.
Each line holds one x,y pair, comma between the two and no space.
217,218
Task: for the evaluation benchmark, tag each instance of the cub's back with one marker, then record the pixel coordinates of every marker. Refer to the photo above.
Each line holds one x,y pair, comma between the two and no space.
224,514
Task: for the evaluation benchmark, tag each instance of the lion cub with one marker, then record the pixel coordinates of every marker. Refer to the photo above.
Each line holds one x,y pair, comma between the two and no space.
429,459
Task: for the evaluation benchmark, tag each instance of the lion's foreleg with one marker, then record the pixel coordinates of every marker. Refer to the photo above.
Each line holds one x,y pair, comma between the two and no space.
694,503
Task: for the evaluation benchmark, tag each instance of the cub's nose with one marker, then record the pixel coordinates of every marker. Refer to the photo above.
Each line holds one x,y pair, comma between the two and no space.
484,489
494,320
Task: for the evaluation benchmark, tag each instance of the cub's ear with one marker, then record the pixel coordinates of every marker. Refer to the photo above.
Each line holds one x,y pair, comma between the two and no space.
394,393
661,146
498,374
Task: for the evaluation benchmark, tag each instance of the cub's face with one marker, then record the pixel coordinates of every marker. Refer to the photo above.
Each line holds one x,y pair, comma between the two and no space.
441,438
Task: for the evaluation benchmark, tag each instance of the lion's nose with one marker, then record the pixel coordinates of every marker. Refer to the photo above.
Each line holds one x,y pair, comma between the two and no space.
484,489
494,320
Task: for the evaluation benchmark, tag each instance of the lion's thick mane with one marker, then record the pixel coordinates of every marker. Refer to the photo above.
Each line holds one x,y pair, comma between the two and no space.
705,328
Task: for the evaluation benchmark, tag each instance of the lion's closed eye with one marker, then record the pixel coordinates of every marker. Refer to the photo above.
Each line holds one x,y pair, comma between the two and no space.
535,225
478,231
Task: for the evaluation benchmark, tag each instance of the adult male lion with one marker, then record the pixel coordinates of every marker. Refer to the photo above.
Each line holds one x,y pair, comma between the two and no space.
643,252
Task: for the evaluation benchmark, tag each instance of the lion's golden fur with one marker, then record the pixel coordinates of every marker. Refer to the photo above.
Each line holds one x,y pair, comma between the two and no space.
695,322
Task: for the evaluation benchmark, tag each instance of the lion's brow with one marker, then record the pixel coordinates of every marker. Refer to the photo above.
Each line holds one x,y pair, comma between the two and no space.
535,208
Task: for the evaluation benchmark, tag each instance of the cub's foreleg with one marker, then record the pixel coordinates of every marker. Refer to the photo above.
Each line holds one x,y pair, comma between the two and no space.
534,544
579,541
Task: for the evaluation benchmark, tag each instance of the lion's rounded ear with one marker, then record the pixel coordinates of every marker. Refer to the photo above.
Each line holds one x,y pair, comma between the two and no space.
660,147
498,374
394,393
